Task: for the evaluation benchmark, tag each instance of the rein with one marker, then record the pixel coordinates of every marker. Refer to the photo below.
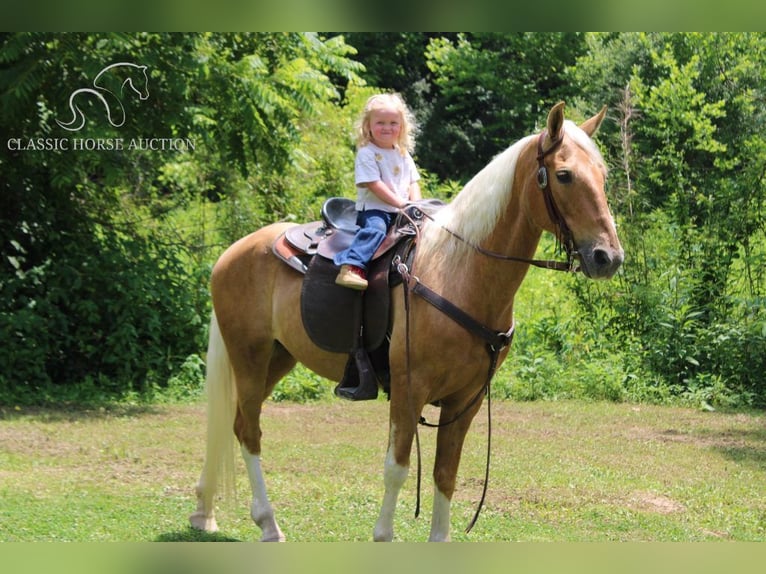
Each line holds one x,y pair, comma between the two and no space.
495,343
568,266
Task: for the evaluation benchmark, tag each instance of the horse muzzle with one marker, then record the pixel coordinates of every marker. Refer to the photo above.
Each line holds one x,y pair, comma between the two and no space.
600,261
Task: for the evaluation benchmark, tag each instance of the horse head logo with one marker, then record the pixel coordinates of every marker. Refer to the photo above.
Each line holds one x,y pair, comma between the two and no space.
107,82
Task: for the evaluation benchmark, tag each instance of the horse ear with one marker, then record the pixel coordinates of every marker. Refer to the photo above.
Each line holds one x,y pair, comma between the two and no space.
556,121
590,126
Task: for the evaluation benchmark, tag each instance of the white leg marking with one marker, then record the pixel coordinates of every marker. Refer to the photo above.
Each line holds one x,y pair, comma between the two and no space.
440,518
204,518
394,476
260,509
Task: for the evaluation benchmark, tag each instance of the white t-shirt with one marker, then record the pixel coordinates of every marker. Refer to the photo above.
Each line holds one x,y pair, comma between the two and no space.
397,171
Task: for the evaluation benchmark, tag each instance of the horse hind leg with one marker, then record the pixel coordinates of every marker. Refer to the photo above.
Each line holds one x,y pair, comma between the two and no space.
247,427
261,510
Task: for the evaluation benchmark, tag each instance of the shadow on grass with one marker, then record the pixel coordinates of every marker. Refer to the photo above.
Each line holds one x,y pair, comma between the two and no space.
71,413
193,535
745,447
741,445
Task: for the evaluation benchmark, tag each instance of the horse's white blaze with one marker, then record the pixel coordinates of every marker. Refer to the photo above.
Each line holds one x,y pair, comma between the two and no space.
260,508
440,518
394,476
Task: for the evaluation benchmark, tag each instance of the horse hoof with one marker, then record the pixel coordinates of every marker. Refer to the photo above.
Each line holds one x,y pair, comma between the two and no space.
202,522
274,538
383,535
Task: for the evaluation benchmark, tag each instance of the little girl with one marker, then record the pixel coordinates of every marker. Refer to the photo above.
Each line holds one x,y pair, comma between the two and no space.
386,180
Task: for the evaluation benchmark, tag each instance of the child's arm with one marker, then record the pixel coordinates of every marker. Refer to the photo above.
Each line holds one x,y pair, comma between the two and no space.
384,193
414,191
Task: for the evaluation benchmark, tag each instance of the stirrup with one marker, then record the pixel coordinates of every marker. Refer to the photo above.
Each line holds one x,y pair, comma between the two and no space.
367,389
360,393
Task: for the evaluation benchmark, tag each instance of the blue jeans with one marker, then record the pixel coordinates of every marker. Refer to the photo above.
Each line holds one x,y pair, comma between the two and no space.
373,227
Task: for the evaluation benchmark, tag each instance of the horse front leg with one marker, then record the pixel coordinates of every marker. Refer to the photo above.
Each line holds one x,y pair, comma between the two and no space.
449,446
395,471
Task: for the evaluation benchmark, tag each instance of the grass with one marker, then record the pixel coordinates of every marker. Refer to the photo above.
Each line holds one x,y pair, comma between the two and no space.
560,471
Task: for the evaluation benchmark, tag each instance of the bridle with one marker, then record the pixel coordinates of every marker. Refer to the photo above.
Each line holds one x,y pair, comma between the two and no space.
564,236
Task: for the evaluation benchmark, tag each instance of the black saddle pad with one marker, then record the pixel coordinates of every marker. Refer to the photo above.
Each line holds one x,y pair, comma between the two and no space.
333,315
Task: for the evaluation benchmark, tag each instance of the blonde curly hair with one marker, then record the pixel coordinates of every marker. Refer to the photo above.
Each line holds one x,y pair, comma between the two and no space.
395,102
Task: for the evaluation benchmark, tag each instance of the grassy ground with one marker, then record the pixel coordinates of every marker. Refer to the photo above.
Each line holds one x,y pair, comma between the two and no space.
561,471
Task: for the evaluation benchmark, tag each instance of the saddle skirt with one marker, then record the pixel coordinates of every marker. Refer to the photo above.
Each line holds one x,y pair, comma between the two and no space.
339,319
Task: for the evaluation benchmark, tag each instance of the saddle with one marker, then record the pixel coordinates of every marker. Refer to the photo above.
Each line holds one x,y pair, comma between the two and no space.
339,319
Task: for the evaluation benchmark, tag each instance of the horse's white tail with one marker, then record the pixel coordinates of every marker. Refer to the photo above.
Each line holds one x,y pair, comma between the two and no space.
221,410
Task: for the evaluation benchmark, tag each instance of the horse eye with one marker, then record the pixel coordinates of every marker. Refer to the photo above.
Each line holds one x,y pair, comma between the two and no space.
564,176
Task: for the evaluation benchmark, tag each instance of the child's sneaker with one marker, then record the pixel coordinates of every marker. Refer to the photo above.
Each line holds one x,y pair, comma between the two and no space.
352,277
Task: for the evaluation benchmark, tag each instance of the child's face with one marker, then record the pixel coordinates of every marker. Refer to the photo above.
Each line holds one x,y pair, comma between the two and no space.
385,125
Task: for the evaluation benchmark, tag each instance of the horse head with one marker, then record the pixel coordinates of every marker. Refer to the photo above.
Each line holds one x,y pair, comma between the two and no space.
122,74
143,89
566,193
137,79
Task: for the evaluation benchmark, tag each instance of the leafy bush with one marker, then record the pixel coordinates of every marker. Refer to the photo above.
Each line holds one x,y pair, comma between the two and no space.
110,312
704,354
301,386
187,383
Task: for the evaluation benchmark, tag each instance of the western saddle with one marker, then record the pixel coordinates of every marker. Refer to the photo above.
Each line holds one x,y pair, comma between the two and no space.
342,320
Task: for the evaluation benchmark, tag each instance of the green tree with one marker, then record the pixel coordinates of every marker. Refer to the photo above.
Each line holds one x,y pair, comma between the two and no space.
491,89
689,138
95,285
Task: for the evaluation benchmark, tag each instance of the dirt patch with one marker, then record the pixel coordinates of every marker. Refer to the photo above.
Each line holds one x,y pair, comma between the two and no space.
651,502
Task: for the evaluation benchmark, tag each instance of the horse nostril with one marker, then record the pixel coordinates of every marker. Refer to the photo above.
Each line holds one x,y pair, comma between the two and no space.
601,258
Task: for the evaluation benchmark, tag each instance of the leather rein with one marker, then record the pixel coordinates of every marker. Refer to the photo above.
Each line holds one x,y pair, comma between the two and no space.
495,341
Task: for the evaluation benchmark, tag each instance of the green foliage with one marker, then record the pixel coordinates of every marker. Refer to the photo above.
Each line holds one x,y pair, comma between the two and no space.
113,311
273,80
559,351
105,256
677,348
187,383
302,386
490,90
687,179
104,287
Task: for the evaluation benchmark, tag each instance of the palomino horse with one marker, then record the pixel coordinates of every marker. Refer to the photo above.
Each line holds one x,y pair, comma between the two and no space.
475,253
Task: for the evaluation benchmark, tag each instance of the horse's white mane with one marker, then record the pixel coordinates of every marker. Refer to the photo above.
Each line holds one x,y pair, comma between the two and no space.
476,210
